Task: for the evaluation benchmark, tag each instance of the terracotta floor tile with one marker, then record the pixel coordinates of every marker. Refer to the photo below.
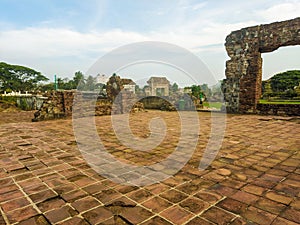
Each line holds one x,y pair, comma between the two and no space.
157,204
258,216
173,196
254,179
291,214
232,205
176,215
217,215
198,221
97,215
136,214
156,220
194,205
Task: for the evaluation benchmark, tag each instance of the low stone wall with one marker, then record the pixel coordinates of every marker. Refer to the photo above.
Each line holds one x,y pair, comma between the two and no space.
24,102
59,104
29,102
154,102
126,102
169,103
279,109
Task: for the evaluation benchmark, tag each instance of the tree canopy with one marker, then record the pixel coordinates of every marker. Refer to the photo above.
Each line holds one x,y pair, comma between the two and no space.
282,84
78,81
196,91
19,78
287,80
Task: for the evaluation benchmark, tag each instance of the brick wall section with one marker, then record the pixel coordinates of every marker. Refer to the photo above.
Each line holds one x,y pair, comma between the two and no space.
126,102
60,105
279,109
242,86
54,107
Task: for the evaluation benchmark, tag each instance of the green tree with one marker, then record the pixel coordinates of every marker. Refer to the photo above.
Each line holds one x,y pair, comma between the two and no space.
174,87
297,89
78,80
206,90
282,85
19,78
60,83
196,91
138,90
90,84
46,87
282,82
267,89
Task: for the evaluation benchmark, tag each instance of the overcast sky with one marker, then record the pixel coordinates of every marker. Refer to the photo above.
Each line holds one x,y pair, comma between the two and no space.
61,37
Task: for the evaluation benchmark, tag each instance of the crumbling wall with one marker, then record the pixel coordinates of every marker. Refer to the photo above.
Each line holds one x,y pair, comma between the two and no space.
279,109
55,106
242,86
127,102
59,104
113,87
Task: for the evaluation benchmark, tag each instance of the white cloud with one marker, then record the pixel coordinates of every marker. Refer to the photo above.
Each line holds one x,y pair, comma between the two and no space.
65,50
64,42
282,11
60,42
199,6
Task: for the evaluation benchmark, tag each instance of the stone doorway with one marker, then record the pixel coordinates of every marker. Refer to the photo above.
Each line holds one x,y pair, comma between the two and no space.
242,86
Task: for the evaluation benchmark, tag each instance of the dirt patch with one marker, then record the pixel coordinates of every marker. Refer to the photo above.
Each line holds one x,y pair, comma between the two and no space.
15,116
8,107
10,113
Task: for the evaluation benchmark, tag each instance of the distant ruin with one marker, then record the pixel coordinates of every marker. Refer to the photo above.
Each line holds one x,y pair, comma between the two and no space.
242,86
59,104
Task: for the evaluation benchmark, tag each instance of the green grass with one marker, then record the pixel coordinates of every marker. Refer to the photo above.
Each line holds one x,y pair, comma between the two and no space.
279,101
8,99
216,105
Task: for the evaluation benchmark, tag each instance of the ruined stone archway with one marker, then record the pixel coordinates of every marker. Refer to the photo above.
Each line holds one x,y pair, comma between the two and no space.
242,86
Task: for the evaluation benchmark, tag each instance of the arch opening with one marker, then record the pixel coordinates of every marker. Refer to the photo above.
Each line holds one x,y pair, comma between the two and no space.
243,84
281,76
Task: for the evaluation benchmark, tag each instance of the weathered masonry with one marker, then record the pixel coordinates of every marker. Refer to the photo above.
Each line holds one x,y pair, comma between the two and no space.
242,86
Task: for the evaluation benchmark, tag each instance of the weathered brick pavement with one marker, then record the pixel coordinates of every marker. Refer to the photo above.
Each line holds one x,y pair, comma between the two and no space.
255,178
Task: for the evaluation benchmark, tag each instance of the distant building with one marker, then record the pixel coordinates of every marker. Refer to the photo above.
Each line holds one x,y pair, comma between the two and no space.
187,90
158,86
101,79
181,90
128,85
147,90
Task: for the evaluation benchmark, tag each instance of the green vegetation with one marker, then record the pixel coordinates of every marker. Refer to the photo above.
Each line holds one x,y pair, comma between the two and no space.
206,90
66,84
284,85
8,99
174,88
217,105
77,82
19,78
279,101
196,91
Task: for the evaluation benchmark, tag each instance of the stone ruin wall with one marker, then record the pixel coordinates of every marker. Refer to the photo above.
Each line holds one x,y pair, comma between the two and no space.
59,104
242,86
278,109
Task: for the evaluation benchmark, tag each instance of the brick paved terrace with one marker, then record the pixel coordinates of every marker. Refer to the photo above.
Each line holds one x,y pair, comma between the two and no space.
255,178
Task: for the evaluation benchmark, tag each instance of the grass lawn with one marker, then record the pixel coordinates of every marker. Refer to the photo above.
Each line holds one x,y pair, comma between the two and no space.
279,101
216,105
